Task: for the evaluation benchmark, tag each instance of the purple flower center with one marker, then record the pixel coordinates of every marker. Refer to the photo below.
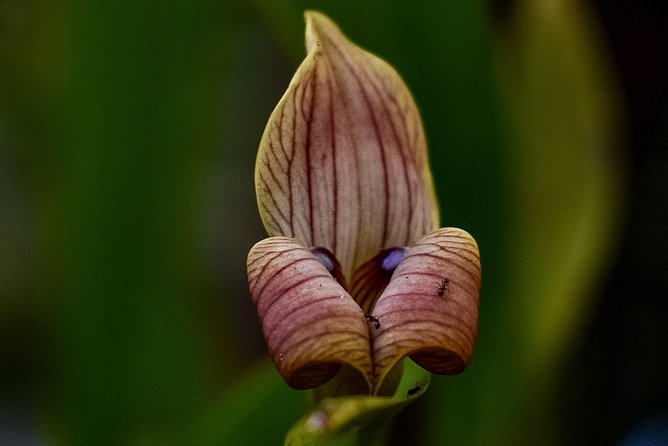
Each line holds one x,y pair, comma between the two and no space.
392,257
325,257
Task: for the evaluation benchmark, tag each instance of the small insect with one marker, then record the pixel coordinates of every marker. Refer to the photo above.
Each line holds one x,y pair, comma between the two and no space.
413,391
371,318
443,286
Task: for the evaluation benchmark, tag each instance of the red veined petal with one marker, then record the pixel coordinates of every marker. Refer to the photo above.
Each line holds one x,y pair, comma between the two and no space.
429,310
310,323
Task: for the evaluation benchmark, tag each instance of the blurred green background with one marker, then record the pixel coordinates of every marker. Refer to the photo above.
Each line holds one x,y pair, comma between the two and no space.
128,132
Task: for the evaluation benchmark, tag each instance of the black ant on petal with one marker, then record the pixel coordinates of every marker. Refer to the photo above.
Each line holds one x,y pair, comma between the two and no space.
443,286
413,391
371,318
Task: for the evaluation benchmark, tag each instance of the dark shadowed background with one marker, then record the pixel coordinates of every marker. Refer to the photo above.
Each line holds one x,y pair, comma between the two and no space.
128,133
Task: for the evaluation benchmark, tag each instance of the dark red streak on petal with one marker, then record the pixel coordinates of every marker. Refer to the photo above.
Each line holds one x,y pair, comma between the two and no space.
312,82
449,235
267,168
400,148
424,333
276,274
410,344
291,159
332,132
285,224
308,335
280,141
316,316
407,296
376,130
471,273
267,252
266,307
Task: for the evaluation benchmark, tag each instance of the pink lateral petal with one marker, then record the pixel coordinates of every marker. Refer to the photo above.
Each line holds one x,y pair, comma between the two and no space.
310,323
429,310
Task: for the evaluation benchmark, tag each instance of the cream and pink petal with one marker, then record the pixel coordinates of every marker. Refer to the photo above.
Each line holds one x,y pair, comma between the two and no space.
311,324
429,310
342,163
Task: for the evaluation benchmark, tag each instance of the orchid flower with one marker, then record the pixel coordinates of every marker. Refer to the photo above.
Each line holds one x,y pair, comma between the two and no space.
356,275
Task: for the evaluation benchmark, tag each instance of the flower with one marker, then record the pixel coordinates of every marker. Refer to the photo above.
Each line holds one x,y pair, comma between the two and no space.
355,272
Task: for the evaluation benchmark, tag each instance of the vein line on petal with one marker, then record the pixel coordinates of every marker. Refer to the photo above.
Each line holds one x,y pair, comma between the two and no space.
259,278
416,146
449,252
450,234
400,146
334,166
277,217
308,119
281,158
276,209
427,315
272,242
273,226
267,168
358,201
338,351
301,339
281,144
451,255
438,334
411,326
304,320
256,259
292,157
418,343
364,295
452,301
344,335
404,113
473,273
422,273
302,307
275,274
409,294
267,306
376,129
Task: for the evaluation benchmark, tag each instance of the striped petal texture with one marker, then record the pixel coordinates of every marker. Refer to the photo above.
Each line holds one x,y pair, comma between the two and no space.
355,275
342,163
310,322
429,310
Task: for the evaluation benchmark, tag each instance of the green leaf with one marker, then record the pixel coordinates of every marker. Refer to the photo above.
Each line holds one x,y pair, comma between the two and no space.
562,197
259,409
561,103
357,420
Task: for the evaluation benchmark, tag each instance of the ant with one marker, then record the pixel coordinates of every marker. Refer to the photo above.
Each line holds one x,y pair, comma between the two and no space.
371,318
414,390
443,286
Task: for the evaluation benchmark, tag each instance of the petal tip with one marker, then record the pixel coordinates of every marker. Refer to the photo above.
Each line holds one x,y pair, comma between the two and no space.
319,25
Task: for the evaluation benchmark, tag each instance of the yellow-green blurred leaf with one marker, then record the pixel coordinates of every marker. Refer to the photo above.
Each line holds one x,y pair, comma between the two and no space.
357,420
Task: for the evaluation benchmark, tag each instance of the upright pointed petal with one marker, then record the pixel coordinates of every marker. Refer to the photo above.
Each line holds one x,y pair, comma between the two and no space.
342,163
310,322
429,310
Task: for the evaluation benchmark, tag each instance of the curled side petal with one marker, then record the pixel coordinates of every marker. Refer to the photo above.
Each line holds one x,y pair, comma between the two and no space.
429,310
310,323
